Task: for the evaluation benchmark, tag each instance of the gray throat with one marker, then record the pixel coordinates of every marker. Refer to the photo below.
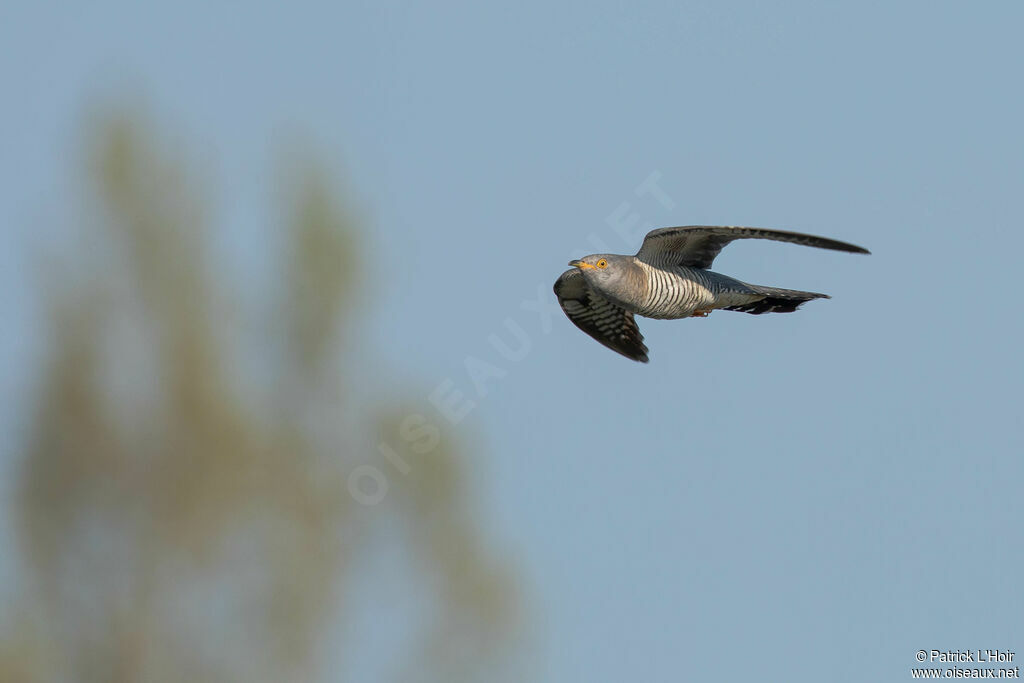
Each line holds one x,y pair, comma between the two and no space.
631,289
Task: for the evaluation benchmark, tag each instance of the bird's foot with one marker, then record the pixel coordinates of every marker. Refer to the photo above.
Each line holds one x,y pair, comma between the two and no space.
701,312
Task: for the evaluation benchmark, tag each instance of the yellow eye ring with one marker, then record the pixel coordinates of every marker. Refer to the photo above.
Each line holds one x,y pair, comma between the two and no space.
602,263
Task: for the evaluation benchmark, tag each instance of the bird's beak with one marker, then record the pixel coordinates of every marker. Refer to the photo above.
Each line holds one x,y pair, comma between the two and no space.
580,264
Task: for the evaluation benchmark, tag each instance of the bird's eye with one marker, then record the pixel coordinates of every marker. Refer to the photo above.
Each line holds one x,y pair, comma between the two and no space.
602,263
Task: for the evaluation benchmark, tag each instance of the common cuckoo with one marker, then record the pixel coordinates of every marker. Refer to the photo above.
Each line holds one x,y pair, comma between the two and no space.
668,279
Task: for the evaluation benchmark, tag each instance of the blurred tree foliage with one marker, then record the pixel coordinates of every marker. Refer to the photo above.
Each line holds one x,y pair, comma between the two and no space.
175,527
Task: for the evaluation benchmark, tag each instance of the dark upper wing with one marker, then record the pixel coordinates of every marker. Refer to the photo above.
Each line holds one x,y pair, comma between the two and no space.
698,245
601,319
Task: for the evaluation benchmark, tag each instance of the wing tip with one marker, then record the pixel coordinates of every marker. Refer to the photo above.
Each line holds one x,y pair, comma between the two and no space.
636,354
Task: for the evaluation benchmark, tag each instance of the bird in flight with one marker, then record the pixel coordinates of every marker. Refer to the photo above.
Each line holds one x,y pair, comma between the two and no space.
669,279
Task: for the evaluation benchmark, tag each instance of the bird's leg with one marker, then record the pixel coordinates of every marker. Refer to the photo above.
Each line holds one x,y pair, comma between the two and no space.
701,312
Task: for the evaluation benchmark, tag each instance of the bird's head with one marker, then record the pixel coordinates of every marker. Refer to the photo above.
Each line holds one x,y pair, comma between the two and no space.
603,270
601,266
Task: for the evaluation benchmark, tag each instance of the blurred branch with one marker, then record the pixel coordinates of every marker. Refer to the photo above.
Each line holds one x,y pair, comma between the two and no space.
475,613
174,534
322,270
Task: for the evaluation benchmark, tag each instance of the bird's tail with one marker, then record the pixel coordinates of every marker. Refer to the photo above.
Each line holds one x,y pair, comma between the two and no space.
776,300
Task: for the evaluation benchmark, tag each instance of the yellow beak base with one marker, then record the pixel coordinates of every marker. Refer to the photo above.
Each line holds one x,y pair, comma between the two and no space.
580,264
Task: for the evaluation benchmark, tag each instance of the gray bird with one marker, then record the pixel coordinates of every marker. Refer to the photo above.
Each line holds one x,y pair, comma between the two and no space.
668,279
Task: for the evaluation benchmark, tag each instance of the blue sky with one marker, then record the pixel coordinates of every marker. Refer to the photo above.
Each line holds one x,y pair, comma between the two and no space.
798,497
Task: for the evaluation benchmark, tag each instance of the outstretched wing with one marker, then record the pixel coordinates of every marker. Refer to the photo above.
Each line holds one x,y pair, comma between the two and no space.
609,324
698,245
